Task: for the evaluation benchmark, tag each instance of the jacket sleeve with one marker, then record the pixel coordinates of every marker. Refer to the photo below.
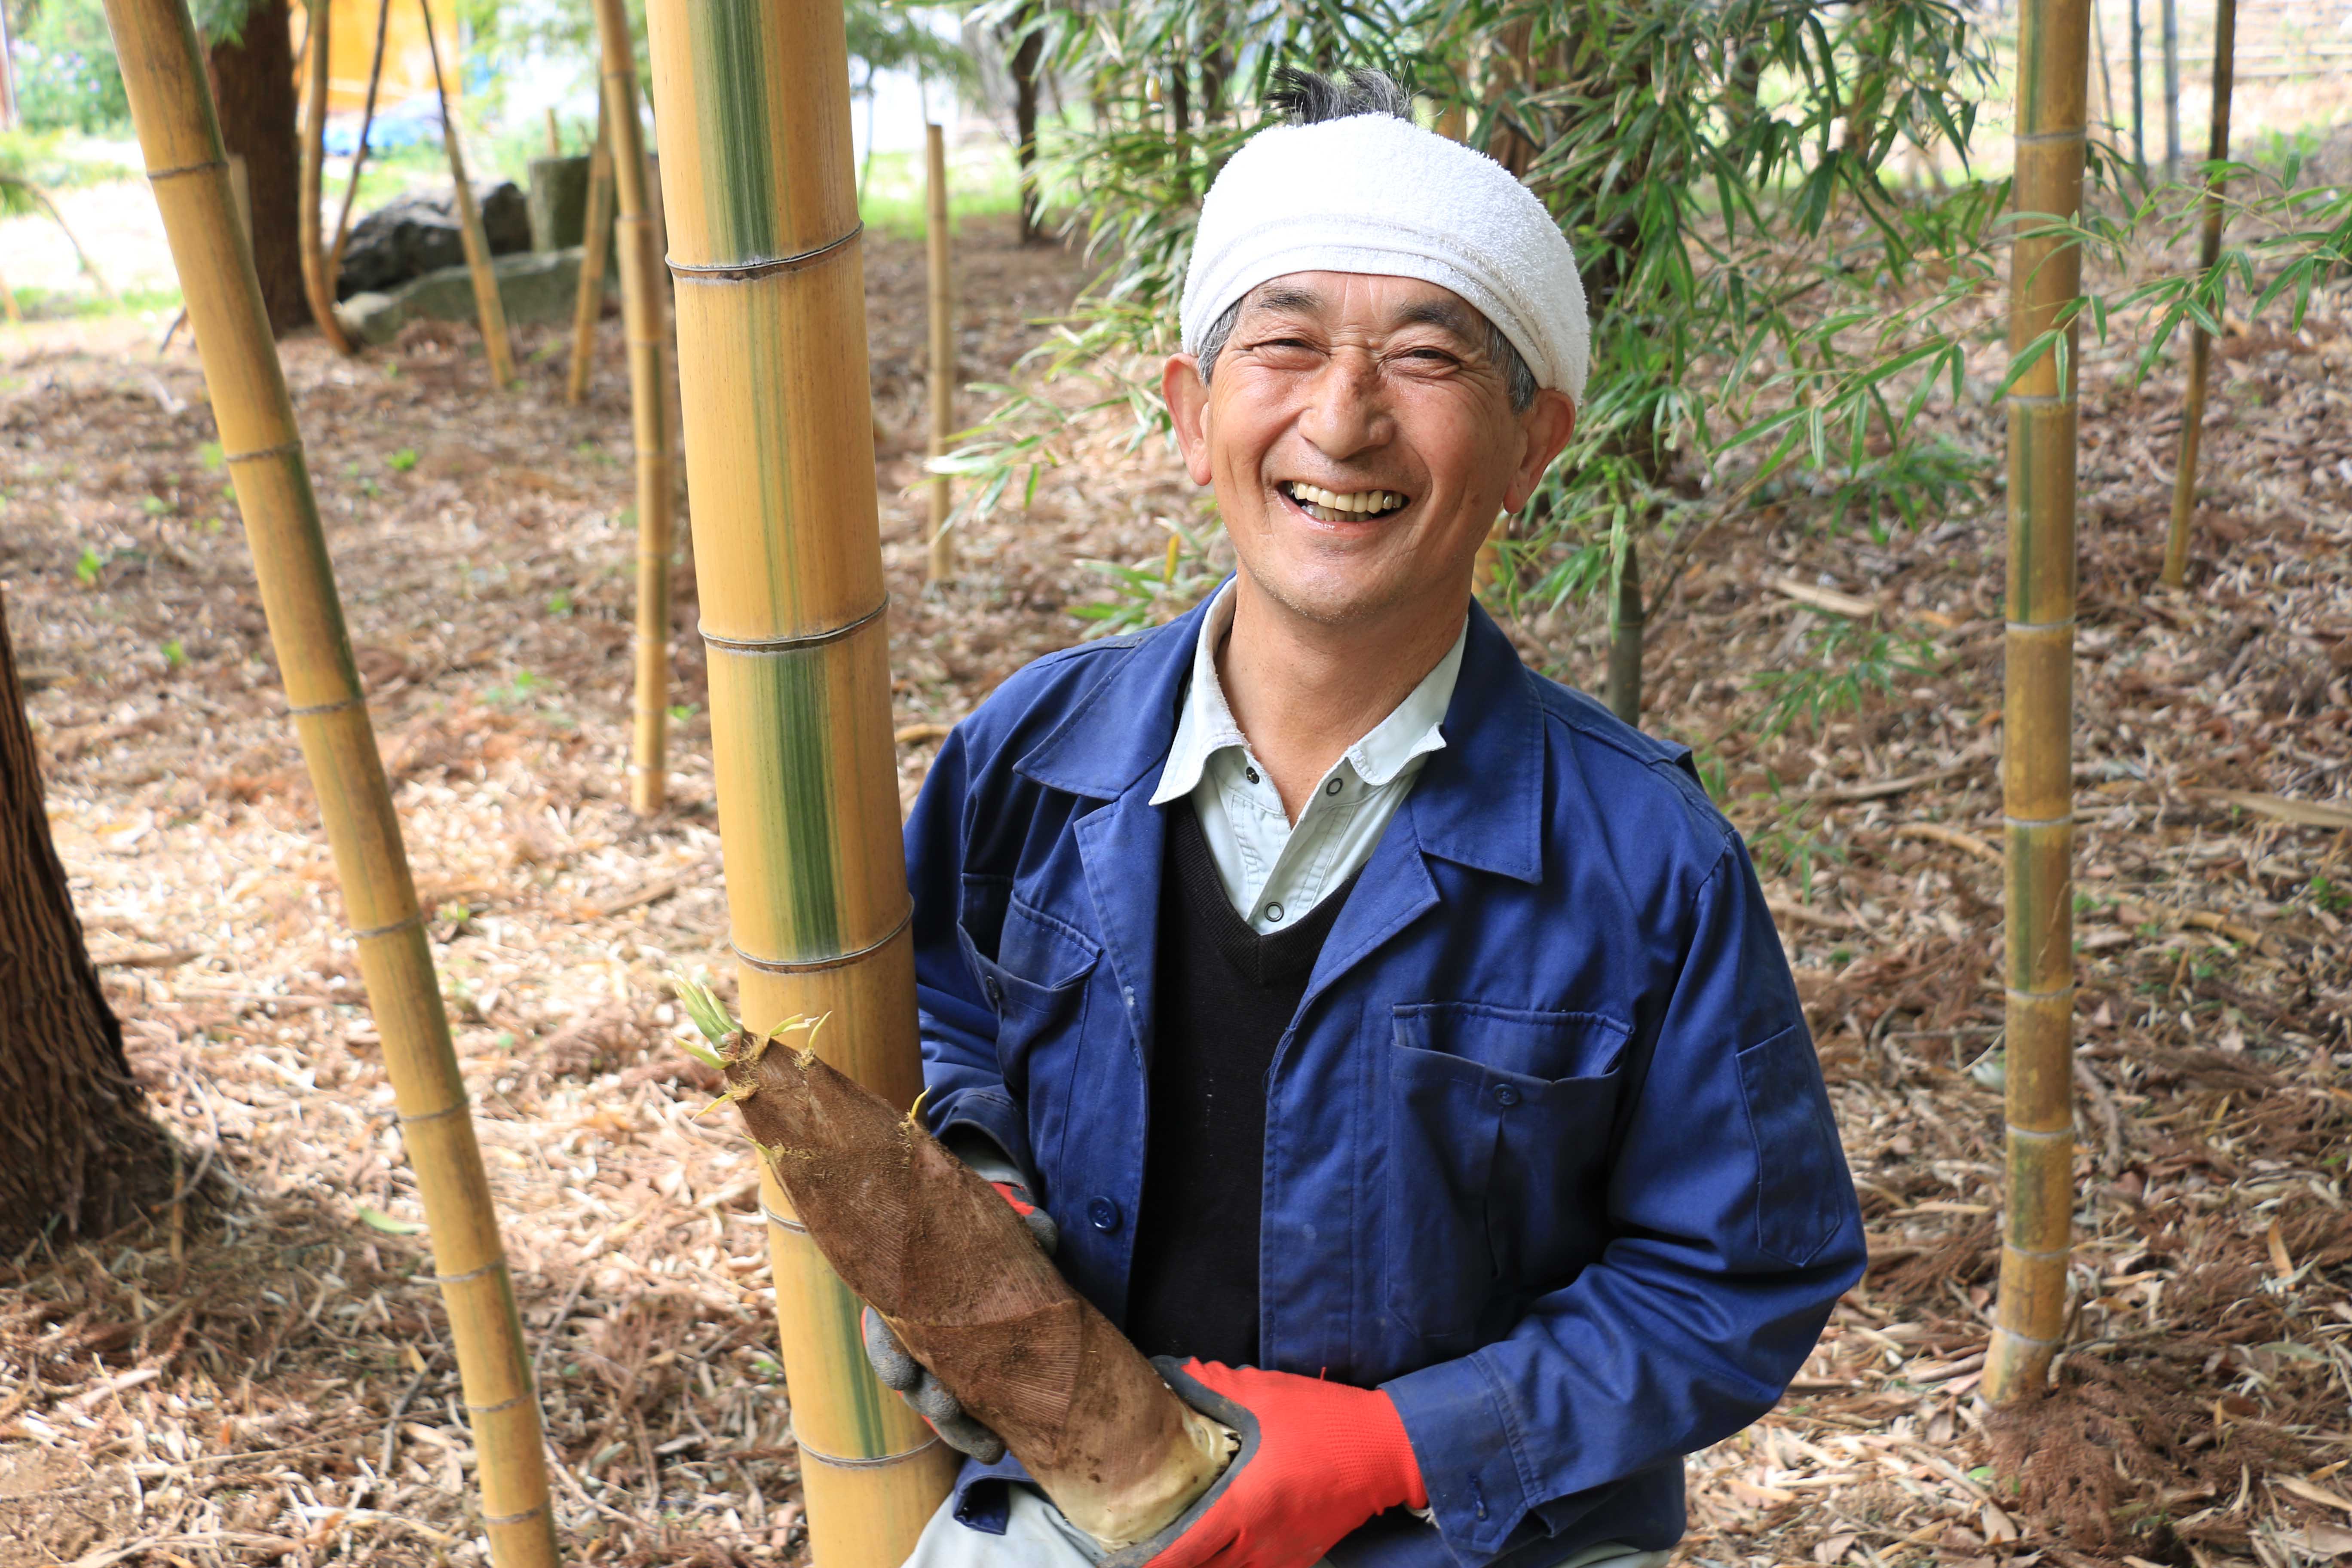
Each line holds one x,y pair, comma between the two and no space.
1736,1230
964,1083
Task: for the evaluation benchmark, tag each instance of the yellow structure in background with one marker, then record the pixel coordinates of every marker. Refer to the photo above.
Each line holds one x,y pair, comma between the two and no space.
407,63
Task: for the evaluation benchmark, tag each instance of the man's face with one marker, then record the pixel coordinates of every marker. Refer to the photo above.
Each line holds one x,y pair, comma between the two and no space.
1361,441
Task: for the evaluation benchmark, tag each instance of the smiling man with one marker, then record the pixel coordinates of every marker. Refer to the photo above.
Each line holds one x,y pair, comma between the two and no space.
1383,1032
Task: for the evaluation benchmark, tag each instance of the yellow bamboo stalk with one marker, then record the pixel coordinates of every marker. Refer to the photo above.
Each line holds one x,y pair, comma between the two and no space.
2037,785
596,239
162,68
761,204
641,313
8,303
316,287
2200,342
943,354
488,306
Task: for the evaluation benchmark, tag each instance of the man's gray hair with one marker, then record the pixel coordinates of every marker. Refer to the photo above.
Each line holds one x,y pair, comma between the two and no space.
1308,98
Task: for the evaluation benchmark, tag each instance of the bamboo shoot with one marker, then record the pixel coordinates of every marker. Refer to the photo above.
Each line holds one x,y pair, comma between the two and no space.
930,1246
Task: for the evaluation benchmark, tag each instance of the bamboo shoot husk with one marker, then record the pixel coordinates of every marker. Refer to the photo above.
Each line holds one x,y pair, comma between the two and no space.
2201,342
641,312
163,72
318,285
489,307
930,1246
2037,779
943,354
597,239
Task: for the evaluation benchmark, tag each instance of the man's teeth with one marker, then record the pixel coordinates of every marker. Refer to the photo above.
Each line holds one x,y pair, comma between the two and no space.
1359,502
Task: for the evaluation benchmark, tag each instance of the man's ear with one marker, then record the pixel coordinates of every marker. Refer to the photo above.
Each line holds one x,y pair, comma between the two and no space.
1188,406
1549,422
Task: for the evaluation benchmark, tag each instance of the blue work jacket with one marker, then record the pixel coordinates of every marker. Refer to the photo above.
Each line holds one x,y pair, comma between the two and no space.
1548,1154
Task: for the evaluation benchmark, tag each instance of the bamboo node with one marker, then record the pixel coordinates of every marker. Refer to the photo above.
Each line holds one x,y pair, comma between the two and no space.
185,169
492,1267
493,1410
794,643
371,932
747,271
781,1223
2009,1334
337,706
499,1521
2016,1131
423,1116
843,1462
811,965
2037,1252
279,450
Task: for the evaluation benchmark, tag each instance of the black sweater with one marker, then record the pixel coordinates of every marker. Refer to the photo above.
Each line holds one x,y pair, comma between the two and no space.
1226,995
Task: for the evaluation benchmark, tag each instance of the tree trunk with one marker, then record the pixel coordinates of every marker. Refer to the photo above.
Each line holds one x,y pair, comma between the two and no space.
253,83
77,1154
1026,58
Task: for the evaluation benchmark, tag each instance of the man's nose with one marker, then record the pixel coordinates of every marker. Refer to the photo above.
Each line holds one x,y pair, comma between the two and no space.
1347,408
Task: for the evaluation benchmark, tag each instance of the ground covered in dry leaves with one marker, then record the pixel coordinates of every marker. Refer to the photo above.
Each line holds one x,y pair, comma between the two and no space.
264,1374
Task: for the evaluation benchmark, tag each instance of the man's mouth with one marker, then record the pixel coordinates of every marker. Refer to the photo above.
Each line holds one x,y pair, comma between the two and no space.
1335,506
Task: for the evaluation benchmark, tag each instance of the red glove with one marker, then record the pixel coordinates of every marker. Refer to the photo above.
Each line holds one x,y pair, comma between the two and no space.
1324,1458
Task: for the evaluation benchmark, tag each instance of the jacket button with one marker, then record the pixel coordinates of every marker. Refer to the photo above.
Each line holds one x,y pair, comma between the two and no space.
1103,1214
1505,1095
995,992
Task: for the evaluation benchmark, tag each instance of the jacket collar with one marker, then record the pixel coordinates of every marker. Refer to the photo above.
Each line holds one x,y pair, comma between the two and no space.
1121,730
1478,802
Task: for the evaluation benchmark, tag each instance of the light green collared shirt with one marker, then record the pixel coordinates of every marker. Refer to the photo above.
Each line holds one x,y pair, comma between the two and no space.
1276,870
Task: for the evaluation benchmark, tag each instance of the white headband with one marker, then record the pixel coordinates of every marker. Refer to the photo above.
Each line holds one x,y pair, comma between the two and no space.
1378,195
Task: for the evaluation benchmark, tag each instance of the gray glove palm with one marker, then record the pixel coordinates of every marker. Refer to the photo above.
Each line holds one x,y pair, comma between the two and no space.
912,1381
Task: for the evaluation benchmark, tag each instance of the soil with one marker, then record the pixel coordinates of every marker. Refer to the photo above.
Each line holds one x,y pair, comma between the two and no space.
262,1374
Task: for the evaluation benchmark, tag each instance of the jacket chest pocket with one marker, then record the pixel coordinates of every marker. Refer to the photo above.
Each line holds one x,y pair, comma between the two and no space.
1499,1130
1033,970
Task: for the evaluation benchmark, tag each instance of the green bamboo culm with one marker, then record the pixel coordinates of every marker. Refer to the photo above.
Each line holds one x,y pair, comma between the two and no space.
641,312
761,197
2037,783
171,107
2200,342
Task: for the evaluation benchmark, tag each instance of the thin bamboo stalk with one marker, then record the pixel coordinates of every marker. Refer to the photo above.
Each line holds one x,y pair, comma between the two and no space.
2139,93
943,354
488,306
2037,784
596,240
2200,342
641,314
162,68
2171,23
760,190
1625,630
318,288
360,152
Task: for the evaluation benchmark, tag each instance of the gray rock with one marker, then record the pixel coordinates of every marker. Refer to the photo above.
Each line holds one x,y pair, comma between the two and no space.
417,233
535,286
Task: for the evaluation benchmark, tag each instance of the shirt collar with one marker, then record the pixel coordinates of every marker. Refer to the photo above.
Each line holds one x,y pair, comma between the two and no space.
1205,726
